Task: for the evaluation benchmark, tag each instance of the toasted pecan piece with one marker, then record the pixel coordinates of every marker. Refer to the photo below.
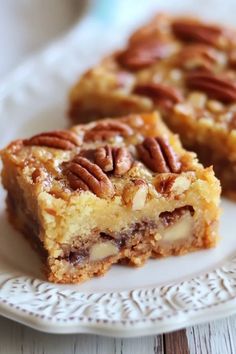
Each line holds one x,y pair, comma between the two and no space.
143,53
168,218
86,175
194,56
215,86
152,29
107,130
196,31
113,159
172,184
158,155
60,139
159,92
135,194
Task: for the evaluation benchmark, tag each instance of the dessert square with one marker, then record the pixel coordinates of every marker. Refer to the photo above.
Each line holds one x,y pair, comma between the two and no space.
115,190
183,67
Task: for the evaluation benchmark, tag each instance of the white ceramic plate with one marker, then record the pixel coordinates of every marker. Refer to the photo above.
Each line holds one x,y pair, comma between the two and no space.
162,296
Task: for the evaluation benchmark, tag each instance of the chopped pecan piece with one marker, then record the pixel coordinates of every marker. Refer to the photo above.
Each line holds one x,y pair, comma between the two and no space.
197,56
172,184
168,218
86,175
143,53
215,86
135,194
195,31
36,174
112,159
107,130
158,155
159,93
61,139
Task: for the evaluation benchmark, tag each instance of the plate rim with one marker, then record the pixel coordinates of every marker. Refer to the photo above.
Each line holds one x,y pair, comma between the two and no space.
124,327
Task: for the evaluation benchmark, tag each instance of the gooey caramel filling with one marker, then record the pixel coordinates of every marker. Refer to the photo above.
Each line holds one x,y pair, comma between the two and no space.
170,229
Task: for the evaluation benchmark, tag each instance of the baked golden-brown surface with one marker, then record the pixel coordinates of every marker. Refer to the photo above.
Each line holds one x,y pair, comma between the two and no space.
186,69
115,190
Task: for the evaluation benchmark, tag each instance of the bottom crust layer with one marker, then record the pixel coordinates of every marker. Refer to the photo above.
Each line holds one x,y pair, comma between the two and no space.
144,242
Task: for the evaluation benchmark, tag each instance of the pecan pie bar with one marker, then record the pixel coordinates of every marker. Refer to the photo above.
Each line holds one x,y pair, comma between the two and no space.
186,69
115,190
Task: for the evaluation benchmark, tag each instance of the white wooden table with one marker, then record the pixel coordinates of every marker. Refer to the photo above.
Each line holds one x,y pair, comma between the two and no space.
215,338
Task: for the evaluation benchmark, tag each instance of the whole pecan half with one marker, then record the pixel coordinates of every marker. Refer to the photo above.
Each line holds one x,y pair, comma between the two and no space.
86,175
159,93
195,56
107,130
215,86
158,155
60,139
143,53
195,31
113,159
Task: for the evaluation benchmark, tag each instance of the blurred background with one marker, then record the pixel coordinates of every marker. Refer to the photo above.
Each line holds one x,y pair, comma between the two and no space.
27,26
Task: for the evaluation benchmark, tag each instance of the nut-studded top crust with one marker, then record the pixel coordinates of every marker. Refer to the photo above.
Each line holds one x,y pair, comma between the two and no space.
103,157
169,62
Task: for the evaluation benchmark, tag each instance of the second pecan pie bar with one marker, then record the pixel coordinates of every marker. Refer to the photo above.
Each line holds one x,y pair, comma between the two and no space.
116,190
183,67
